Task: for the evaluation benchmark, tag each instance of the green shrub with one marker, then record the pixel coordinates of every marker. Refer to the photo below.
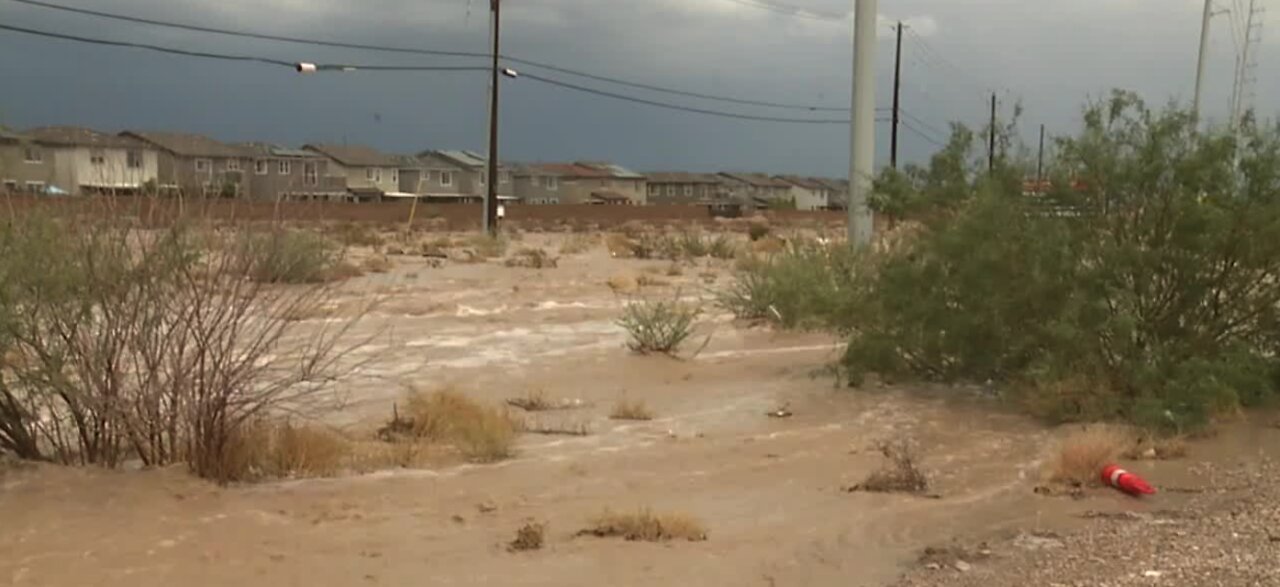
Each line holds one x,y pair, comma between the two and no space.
806,285
287,256
658,326
1142,287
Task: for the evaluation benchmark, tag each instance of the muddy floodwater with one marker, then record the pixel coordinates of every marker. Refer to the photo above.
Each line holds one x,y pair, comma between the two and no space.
770,491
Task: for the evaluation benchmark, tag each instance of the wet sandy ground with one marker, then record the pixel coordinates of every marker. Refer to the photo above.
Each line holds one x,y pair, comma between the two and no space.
769,490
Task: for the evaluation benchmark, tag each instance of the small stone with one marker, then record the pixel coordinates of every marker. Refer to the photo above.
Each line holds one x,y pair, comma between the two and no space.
933,566
1153,574
963,567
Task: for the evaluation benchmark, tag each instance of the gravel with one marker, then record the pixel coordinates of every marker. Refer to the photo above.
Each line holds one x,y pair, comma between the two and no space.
1227,535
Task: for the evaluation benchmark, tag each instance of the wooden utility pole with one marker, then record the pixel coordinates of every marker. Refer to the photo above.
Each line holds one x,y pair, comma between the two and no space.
491,198
897,101
1040,160
991,141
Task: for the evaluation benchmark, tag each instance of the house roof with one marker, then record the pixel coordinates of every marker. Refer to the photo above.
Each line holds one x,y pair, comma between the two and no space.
269,150
614,170
355,155
757,179
188,145
834,185
808,183
76,136
464,158
681,177
569,170
10,136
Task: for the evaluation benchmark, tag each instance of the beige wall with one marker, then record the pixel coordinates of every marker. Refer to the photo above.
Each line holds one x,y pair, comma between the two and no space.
808,198
15,168
76,170
386,179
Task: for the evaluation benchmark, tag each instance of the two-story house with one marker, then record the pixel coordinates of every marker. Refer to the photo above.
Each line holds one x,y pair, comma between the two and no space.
808,193
580,183
196,165
678,187
838,192
283,173
370,174
86,161
453,176
757,190
26,167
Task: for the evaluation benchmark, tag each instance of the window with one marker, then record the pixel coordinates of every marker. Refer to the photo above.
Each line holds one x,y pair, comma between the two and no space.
446,178
204,165
33,155
310,173
395,176
11,186
368,174
35,187
97,157
504,177
482,177
671,191
233,165
133,159
551,182
285,167
653,190
262,167
377,175
688,191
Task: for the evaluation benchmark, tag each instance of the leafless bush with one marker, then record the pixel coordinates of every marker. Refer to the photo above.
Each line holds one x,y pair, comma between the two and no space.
899,474
157,345
645,526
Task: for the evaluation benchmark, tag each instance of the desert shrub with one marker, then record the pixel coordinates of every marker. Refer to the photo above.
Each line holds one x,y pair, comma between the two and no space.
899,473
533,258
806,285
488,247
528,537
757,231
355,234
1083,454
577,244
480,433
645,526
292,256
658,326
120,343
631,410
264,449
1142,286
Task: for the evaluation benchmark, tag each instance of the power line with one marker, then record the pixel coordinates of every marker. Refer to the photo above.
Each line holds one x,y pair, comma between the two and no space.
230,57
923,123
343,67
922,134
417,51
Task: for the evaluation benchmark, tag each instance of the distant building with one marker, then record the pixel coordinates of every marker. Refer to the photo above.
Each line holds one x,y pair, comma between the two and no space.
26,167
679,187
370,174
808,193
580,183
196,165
453,176
757,190
284,173
86,161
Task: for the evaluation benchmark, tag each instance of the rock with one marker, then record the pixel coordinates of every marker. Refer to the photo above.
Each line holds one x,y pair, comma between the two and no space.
1037,542
1149,454
963,567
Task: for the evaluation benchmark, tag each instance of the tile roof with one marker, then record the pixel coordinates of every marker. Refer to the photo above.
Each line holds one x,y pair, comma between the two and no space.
808,183
75,136
188,145
355,155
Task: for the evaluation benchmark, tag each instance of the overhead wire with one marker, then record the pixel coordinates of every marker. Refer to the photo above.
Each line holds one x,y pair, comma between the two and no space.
350,67
922,134
419,51
787,10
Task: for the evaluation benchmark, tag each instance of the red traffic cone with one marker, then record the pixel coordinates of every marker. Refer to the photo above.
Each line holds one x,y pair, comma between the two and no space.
1125,481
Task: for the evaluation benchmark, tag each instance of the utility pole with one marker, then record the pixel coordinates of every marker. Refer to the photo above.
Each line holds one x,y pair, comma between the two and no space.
991,141
862,121
897,100
1040,160
491,198
1204,55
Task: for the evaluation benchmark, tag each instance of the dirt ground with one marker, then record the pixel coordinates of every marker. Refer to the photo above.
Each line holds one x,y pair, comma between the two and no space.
770,491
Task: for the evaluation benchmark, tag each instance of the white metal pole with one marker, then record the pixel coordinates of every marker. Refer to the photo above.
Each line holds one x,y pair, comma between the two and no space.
862,121
1204,55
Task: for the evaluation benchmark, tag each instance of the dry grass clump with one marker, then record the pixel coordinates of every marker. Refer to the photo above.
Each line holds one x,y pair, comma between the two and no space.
577,244
899,474
650,281
645,526
539,401
480,433
620,246
532,258
631,410
675,270
528,537
622,283
378,264
1084,453
487,247
274,449
355,234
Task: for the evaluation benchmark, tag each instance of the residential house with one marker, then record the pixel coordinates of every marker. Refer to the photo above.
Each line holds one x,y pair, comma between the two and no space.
453,176
808,193
197,165
370,174
580,183
86,161
25,165
838,192
283,173
678,187
757,191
